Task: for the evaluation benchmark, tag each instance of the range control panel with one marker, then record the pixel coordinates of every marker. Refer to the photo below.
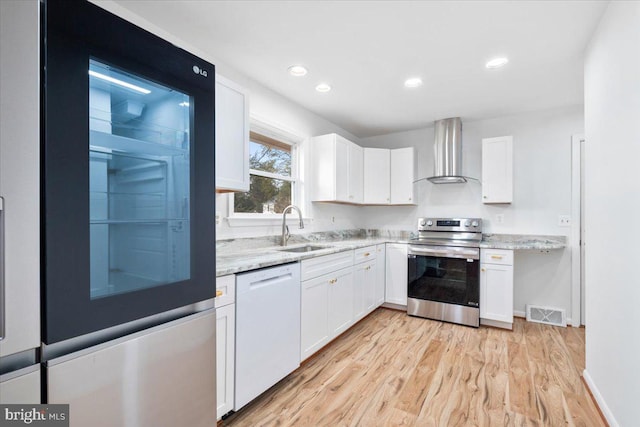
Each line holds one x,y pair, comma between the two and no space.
473,225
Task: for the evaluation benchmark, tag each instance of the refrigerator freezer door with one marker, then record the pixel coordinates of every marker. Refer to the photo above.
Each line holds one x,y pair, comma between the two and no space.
164,376
21,387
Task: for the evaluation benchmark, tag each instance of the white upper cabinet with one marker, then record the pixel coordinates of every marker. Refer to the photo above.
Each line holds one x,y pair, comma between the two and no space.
377,176
337,170
497,170
356,173
232,136
402,176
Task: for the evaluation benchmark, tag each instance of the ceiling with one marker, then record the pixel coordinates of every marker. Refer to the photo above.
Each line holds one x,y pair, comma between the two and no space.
366,49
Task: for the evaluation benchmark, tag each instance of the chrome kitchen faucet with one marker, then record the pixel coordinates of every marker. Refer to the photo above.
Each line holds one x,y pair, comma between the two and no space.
285,227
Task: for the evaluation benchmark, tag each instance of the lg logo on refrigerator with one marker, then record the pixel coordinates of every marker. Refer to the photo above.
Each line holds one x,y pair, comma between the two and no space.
200,71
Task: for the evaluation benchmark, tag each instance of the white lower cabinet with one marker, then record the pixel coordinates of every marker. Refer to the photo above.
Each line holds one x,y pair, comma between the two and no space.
380,274
314,314
327,300
341,297
364,282
225,344
496,287
396,274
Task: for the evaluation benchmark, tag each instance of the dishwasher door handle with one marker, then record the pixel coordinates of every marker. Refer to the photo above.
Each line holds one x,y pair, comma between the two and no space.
270,281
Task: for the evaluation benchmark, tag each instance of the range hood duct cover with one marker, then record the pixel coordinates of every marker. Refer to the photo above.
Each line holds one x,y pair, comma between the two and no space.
447,149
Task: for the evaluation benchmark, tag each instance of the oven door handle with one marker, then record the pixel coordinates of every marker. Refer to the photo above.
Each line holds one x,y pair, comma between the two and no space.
445,252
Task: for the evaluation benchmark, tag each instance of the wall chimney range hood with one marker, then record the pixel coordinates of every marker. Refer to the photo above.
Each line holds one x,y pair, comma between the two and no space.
447,149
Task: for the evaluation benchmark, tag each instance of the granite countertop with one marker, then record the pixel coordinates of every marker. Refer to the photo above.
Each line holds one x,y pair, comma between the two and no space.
522,242
238,255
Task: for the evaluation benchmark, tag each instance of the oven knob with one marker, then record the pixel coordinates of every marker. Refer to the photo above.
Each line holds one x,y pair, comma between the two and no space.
429,223
475,223
467,224
422,223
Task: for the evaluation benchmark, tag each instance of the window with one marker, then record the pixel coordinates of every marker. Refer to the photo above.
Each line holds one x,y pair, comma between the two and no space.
272,181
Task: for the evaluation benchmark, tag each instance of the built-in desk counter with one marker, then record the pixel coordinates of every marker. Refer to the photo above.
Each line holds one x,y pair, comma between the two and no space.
522,242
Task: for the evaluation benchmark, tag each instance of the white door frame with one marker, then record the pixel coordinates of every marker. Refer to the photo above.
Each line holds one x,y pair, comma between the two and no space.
577,239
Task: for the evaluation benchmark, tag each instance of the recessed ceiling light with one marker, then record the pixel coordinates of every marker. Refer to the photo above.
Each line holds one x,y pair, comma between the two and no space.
323,87
497,62
413,82
297,70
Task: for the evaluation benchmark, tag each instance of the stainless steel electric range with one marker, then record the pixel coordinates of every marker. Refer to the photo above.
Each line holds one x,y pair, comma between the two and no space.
444,270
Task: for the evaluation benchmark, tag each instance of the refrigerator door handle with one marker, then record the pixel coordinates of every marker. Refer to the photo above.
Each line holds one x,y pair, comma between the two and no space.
3,308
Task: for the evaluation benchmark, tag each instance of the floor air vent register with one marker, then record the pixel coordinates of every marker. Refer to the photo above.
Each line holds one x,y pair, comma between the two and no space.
546,315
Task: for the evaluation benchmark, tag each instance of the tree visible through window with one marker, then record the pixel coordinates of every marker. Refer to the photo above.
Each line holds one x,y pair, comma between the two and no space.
270,177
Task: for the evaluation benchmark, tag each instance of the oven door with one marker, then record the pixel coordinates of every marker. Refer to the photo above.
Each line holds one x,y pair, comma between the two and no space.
444,274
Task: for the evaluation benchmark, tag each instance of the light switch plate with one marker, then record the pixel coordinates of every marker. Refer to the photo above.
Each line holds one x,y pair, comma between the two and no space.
564,220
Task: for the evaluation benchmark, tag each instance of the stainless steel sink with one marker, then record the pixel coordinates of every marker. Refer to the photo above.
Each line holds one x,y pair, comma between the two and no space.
307,248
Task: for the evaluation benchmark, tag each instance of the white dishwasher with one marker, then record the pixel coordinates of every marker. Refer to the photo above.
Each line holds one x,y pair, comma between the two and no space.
267,329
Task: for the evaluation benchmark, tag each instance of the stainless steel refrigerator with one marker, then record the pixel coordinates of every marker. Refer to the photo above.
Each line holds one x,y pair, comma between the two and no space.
19,203
128,318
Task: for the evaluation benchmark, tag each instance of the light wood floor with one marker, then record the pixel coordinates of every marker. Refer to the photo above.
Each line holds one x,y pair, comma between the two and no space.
392,369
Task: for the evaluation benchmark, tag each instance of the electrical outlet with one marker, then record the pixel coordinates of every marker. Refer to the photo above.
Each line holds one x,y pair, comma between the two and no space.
218,218
564,220
500,218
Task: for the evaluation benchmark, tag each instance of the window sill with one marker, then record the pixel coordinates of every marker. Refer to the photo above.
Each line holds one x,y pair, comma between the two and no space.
264,220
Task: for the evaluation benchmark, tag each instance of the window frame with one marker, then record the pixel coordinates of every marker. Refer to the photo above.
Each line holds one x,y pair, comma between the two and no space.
280,136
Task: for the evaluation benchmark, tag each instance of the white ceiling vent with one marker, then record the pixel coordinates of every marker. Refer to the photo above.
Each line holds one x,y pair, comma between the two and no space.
546,315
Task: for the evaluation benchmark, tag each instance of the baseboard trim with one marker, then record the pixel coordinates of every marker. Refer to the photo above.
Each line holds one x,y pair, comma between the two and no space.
600,403
394,306
496,324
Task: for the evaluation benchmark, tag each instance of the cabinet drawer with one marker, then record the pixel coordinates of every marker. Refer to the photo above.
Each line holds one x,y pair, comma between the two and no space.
315,267
364,254
225,290
496,256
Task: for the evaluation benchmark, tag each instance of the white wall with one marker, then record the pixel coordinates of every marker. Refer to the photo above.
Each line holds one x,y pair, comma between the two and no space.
542,179
612,117
542,191
268,107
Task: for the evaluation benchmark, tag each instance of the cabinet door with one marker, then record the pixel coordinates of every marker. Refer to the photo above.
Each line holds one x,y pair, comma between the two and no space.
369,286
377,176
341,300
396,274
342,174
497,170
356,173
364,287
225,358
380,274
358,291
314,312
496,292
232,136
402,176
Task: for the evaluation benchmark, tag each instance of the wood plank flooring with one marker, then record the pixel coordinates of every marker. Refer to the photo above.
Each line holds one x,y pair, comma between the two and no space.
394,370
